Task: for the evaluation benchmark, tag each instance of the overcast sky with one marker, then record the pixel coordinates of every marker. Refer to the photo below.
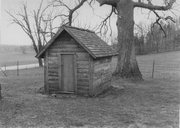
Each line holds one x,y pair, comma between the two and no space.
13,35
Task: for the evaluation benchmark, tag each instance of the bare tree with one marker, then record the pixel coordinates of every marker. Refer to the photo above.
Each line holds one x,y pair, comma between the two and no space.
40,27
36,28
69,14
156,39
127,64
124,9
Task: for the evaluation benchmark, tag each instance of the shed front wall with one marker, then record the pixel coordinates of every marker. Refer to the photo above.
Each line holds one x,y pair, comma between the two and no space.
102,74
63,44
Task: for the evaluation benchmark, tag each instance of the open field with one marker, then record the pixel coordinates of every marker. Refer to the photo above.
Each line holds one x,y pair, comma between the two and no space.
10,59
167,65
152,103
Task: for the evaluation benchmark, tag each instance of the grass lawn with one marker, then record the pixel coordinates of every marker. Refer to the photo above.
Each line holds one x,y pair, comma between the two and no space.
167,65
147,104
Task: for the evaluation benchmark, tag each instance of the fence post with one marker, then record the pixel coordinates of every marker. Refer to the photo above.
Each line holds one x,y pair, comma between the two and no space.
5,67
153,68
0,92
17,68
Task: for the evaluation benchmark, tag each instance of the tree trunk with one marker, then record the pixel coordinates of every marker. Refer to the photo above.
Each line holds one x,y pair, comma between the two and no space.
40,62
127,65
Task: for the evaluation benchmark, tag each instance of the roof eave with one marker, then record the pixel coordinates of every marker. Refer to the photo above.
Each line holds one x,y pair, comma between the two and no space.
39,55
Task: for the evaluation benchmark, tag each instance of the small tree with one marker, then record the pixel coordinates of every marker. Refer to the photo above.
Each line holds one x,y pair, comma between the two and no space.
36,28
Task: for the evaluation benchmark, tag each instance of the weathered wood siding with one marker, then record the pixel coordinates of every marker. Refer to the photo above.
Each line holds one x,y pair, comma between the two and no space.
101,75
82,72
46,73
65,43
114,63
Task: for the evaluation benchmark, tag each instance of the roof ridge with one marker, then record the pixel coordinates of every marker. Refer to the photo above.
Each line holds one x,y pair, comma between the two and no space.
82,29
89,40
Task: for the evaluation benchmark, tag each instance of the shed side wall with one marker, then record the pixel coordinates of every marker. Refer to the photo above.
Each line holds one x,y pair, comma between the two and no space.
114,63
102,75
46,73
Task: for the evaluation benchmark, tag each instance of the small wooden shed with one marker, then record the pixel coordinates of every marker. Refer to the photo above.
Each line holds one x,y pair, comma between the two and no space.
76,61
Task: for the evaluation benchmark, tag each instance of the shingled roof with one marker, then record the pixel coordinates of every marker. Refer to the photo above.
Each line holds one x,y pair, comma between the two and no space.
93,44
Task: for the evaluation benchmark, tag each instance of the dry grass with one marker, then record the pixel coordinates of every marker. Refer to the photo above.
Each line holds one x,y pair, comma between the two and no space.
152,103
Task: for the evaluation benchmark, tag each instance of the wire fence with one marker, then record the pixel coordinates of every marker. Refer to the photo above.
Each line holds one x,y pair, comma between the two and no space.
157,66
158,69
149,67
16,67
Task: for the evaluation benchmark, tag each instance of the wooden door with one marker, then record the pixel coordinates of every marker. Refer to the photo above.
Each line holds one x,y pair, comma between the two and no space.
67,73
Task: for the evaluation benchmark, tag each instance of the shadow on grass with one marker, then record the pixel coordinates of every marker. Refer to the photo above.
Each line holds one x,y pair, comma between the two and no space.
111,91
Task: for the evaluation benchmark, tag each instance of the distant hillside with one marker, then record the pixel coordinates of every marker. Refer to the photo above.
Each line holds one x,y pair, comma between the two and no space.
16,49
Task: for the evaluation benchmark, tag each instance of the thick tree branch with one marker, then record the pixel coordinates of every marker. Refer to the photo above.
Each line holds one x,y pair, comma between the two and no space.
108,2
78,5
153,8
150,6
159,18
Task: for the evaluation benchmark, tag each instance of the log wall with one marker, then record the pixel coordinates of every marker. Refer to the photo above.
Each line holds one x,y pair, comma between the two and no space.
114,63
102,75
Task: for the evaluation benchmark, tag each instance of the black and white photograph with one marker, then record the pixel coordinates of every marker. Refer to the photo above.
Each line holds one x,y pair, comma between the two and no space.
89,63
